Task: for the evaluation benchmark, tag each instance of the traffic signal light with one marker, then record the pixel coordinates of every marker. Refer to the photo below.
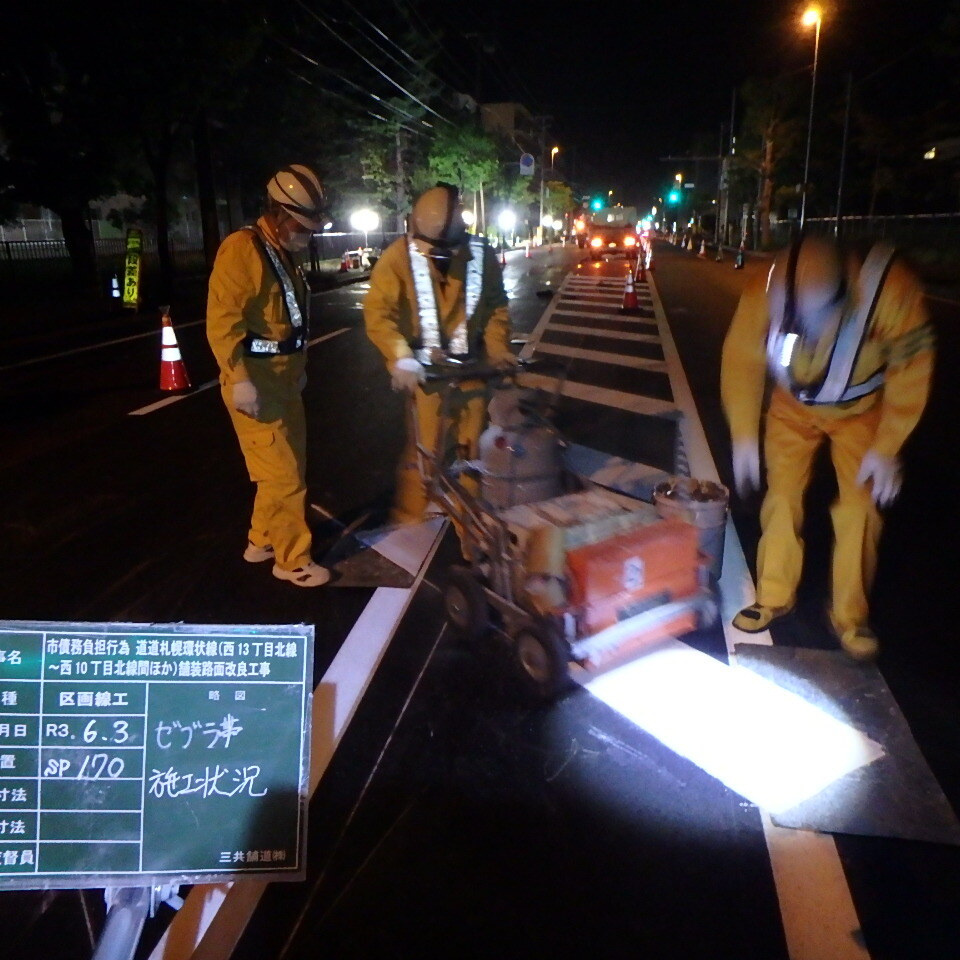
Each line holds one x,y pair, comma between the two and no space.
596,203
673,196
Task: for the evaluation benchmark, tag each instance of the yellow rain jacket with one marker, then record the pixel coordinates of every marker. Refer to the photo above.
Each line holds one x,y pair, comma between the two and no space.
390,313
245,297
898,344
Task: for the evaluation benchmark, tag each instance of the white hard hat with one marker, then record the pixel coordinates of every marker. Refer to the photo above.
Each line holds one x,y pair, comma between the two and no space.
297,189
807,283
437,218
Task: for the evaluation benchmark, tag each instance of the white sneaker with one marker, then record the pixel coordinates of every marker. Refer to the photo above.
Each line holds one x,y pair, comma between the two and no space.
309,575
255,554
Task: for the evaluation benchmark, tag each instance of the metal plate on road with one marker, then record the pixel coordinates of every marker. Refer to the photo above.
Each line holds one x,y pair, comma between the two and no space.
139,753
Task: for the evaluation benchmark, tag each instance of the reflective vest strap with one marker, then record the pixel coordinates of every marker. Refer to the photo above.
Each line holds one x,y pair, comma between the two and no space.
853,330
429,322
283,278
427,311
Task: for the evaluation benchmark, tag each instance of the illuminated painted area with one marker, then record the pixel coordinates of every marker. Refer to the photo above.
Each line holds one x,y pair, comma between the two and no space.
760,740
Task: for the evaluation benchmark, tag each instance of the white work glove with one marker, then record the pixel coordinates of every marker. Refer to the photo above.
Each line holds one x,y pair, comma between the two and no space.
746,466
246,399
884,472
407,373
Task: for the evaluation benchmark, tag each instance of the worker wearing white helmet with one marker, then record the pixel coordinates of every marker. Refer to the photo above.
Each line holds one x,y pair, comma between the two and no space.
849,351
437,293
258,311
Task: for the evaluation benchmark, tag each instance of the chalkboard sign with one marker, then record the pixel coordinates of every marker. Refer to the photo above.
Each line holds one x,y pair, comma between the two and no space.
133,754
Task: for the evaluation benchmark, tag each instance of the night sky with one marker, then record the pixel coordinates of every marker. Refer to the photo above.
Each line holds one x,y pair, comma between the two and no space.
627,83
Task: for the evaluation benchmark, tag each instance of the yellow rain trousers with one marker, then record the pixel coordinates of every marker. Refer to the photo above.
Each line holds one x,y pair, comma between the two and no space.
245,297
392,324
793,431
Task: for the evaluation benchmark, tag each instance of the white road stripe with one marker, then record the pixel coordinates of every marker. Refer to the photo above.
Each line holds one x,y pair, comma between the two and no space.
601,356
210,923
150,408
631,402
609,334
817,911
94,346
622,317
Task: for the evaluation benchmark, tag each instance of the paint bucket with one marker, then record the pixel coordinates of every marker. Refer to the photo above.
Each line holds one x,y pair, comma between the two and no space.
702,503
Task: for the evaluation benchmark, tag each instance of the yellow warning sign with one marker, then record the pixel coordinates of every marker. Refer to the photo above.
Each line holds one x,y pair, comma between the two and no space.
131,268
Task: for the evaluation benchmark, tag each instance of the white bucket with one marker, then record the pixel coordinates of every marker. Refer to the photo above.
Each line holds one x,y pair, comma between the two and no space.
702,503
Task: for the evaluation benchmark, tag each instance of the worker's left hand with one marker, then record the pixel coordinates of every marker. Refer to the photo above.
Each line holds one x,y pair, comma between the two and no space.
884,472
506,362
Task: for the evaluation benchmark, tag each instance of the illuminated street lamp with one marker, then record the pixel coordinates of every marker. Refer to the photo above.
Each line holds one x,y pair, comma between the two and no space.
364,221
813,16
553,153
506,221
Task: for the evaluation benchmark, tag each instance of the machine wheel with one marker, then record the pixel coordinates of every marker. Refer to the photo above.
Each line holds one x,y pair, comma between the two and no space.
542,657
465,605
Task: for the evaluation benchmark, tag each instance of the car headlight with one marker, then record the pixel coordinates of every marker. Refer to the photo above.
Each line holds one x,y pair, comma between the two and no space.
629,241
596,241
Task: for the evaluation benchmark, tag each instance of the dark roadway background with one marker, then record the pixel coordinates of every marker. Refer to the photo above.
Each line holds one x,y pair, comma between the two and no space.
142,518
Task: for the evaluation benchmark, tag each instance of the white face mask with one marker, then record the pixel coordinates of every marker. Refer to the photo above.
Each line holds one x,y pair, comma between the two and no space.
295,242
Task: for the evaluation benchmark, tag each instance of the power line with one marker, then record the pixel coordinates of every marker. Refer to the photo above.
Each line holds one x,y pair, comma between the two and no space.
369,62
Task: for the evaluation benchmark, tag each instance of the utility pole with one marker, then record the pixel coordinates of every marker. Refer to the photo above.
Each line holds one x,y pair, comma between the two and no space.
543,150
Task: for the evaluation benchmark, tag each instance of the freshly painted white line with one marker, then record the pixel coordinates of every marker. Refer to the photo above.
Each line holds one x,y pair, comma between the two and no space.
634,403
213,918
404,545
819,918
600,356
150,408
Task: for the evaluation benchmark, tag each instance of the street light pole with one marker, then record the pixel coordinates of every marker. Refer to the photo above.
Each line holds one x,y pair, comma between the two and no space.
812,16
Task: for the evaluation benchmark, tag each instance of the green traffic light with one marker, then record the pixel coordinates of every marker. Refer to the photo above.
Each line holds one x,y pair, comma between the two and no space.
673,196
596,203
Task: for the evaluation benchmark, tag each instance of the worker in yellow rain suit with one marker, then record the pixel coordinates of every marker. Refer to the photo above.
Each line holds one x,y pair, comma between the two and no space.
437,293
849,350
257,326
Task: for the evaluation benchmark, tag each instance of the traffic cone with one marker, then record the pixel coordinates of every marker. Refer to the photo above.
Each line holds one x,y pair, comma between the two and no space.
343,263
630,301
641,274
690,242
738,263
703,249
503,256
173,373
527,254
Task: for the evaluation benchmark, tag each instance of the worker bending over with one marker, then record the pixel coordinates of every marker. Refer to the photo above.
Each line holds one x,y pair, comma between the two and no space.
849,351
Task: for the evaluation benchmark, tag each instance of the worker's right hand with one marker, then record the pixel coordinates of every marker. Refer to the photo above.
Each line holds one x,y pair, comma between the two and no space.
407,373
246,399
746,466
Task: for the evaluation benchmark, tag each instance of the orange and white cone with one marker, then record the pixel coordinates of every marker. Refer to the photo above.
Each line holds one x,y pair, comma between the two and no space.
527,255
173,372
503,256
641,272
630,301
344,267
703,249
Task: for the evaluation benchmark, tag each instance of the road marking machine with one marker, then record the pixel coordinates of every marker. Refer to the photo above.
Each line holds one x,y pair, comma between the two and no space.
563,569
